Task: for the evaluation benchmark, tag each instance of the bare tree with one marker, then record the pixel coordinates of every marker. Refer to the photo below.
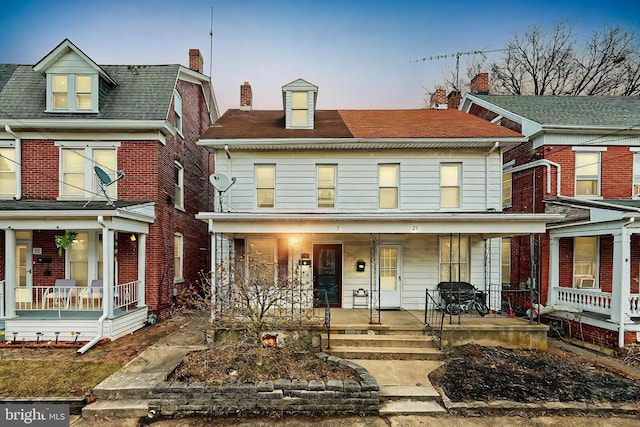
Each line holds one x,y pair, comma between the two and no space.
558,61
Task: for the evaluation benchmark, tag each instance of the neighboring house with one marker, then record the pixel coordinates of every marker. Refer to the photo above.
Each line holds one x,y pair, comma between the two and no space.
582,159
390,202
138,124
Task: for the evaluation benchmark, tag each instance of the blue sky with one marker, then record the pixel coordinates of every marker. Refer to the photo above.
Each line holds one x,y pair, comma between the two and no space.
360,53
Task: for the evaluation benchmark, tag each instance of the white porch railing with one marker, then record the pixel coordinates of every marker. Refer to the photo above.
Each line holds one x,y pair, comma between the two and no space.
126,296
67,298
587,300
634,305
2,293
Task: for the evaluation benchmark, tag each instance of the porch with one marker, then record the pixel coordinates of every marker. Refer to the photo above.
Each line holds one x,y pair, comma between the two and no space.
492,330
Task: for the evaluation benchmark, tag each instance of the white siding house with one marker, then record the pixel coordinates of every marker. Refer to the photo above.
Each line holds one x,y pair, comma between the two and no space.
388,201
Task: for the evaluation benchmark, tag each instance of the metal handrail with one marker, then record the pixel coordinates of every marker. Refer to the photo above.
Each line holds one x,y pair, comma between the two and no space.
434,316
327,317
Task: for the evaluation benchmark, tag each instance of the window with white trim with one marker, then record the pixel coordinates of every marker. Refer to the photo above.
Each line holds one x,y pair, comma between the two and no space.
636,175
326,186
178,257
300,109
265,186
79,259
506,260
8,177
450,185
585,262
72,93
178,193
454,258
77,176
587,173
388,186
507,189
261,261
177,109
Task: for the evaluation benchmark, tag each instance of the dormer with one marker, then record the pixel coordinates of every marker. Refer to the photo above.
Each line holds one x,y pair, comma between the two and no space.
73,80
299,100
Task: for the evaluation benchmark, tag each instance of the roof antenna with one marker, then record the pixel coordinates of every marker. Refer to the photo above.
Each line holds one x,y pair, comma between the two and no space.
211,43
104,181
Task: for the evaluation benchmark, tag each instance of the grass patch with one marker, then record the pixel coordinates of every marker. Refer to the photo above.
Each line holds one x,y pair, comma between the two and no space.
53,378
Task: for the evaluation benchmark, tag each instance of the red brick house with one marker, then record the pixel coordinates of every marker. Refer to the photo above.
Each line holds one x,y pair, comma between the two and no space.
582,159
104,157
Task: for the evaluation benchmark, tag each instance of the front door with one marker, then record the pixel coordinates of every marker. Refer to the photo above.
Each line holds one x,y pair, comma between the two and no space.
24,265
327,274
390,276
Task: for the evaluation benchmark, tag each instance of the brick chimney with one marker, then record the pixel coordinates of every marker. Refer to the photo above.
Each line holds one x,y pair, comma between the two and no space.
453,100
480,84
439,99
195,60
246,97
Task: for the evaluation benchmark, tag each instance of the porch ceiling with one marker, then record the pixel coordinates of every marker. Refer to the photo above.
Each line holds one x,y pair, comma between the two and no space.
490,224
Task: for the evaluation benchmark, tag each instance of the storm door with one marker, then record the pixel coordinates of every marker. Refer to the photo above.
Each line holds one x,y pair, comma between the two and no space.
327,274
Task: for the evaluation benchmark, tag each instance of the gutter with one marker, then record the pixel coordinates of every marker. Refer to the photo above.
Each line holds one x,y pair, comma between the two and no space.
542,162
622,303
105,308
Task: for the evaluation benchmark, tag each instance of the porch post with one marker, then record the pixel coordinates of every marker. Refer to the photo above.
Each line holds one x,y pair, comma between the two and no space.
554,271
108,271
10,272
142,268
620,289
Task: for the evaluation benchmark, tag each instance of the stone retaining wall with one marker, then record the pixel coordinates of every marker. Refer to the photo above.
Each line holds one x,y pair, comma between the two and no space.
281,396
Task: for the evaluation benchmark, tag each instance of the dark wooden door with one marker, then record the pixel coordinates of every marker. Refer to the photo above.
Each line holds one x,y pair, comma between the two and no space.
327,274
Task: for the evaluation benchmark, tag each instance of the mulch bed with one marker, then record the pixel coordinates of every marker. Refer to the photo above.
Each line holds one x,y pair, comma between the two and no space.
475,373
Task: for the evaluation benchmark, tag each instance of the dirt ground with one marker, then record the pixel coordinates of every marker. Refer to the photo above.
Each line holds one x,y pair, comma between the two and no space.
475,373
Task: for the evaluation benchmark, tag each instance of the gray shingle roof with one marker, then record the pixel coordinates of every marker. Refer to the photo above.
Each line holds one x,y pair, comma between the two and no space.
615,111
143,93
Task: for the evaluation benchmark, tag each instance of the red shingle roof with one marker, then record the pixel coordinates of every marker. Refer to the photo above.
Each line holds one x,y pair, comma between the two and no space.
366,124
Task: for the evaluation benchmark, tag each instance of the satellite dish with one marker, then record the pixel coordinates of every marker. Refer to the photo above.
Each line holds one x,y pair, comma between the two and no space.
221,183
104,181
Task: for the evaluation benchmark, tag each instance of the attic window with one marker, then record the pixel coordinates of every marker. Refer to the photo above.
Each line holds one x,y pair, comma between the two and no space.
72,93
299,109
177,108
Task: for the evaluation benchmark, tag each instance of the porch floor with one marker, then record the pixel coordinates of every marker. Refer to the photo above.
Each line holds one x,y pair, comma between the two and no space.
62,314
492,330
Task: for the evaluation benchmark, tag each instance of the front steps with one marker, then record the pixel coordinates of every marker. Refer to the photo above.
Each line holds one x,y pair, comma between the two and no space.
400,345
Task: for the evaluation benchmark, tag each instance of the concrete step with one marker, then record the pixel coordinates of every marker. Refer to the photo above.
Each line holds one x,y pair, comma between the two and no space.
390,340
131,386
117,409
410,407
408,392
416,329
386,353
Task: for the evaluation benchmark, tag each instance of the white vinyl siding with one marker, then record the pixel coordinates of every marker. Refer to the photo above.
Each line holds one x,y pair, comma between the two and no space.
295,186
72,86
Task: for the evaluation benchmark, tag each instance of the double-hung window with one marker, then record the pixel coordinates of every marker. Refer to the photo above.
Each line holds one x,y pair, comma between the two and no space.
454,258
265,186
178,257
8,169
636,174
450,185
585,262
179,185
326,186
73,93
507,188
299,109
77,177
177,109
587,173
388,186
506,260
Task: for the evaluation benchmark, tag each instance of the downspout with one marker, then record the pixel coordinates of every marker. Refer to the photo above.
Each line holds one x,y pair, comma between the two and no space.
547,164
486,174
105,308
18,161
622,305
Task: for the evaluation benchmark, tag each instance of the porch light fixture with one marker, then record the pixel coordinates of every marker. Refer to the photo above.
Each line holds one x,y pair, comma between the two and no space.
132,237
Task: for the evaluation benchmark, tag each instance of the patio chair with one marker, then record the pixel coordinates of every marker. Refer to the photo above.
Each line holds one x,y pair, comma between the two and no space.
59,295
91,296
